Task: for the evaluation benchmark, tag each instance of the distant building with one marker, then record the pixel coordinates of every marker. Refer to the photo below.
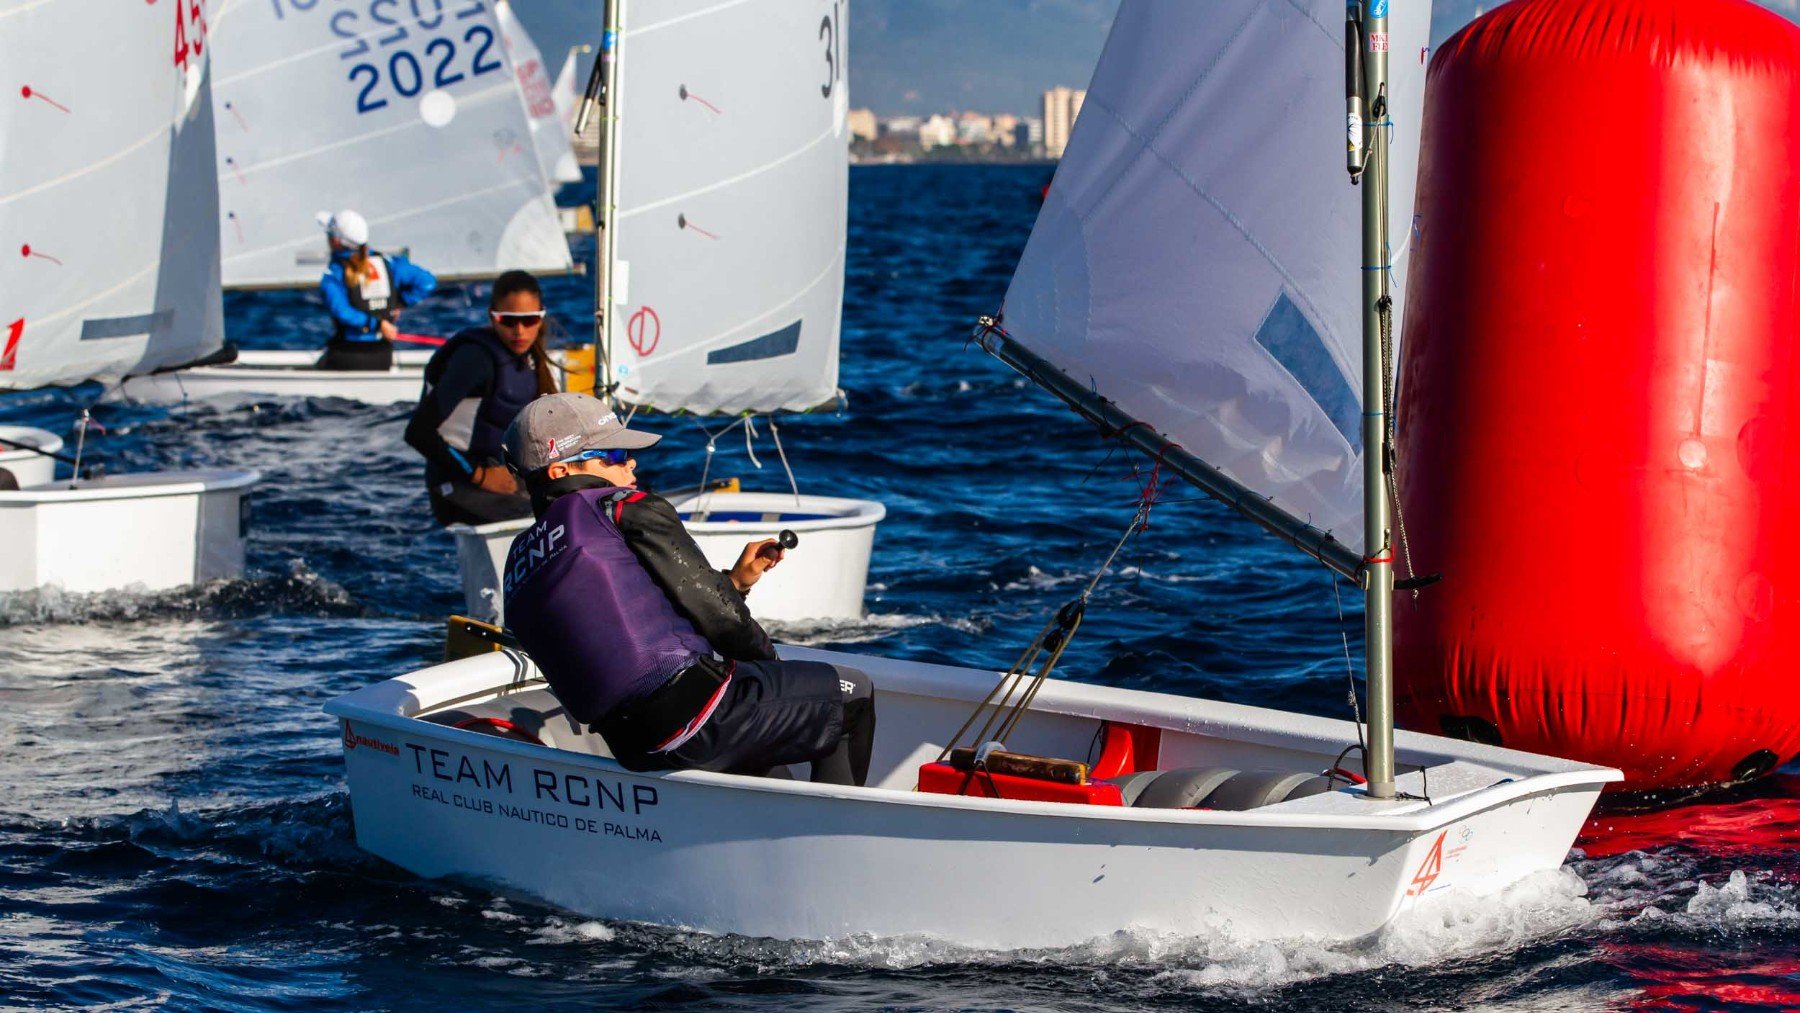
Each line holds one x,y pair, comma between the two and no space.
1005,130
900,126
1061,107
862,124
974,128
937,132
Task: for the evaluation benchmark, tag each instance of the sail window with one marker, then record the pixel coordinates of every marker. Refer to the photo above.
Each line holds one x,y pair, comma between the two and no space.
1291,340
95,328
783,342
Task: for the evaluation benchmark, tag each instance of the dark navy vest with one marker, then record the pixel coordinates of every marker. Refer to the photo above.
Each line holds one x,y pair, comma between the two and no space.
515,386
593,619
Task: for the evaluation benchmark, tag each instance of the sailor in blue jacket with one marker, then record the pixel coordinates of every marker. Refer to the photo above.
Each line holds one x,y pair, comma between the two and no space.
364,292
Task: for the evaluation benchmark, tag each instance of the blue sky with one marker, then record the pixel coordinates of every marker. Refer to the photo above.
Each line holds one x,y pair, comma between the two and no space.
924,56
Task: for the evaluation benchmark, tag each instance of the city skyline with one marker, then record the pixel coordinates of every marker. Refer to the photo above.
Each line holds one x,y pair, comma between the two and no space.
919,57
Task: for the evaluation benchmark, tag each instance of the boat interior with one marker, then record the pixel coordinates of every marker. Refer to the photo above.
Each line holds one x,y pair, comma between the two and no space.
1077,744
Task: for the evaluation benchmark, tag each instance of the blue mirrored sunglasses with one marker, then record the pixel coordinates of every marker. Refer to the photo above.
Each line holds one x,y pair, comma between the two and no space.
613,457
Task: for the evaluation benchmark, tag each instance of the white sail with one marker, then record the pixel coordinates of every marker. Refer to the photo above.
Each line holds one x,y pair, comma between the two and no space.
406,112
547,132
108,213
732,163
1196,260
563,94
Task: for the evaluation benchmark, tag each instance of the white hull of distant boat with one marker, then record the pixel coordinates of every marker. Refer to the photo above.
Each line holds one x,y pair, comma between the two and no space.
29,467
824,578
284,374
146,532
564,823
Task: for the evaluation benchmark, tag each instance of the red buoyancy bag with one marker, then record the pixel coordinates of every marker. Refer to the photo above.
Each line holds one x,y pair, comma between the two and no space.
1600,397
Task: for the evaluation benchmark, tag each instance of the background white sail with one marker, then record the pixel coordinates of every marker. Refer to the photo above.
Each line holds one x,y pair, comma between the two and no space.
547,131
1197,258
563,94
733,190
406,112
108,206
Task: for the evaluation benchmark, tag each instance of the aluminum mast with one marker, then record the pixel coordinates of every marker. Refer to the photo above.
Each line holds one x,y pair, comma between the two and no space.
1378,564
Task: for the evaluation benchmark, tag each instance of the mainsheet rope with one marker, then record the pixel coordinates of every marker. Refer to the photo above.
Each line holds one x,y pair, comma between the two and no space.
1049,643
748,421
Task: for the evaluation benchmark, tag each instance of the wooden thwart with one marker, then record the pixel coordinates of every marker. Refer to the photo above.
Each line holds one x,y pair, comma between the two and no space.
1042,768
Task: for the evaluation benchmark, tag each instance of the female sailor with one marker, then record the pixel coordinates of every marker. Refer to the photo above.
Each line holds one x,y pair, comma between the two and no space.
474,386
364,292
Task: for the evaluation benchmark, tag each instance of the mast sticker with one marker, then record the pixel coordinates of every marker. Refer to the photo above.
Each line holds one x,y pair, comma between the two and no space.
1378,9
1378,42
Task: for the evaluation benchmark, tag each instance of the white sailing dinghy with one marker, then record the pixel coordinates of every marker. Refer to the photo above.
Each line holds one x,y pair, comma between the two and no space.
1220,125
410,114
825,576
285,373
98,295
26,454
724,190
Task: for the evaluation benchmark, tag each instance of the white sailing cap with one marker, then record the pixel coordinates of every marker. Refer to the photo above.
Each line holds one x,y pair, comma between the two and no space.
346,226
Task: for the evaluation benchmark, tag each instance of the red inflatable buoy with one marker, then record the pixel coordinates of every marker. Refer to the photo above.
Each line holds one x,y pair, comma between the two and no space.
1600,396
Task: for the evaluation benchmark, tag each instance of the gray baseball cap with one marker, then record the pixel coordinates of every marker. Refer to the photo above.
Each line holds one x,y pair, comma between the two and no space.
556,427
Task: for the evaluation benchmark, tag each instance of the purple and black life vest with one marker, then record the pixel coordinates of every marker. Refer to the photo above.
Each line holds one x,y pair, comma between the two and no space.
592,618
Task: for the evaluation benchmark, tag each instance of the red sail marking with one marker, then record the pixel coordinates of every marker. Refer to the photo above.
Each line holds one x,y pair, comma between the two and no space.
10,353
690,95
27,92
682,220
643,331
27,251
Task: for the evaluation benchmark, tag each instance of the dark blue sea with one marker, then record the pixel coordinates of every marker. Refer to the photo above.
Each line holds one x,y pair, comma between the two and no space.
174,829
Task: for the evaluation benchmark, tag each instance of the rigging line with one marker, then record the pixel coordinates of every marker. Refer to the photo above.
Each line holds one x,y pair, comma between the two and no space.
1349,674
749,436
775,431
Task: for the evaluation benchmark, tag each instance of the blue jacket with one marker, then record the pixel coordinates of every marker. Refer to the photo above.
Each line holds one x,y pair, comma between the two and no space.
411,283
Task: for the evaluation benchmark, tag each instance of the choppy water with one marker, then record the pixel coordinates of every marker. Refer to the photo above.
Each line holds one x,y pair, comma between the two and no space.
173,824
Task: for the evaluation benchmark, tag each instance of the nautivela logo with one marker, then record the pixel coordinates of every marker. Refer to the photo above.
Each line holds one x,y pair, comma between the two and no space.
352,740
